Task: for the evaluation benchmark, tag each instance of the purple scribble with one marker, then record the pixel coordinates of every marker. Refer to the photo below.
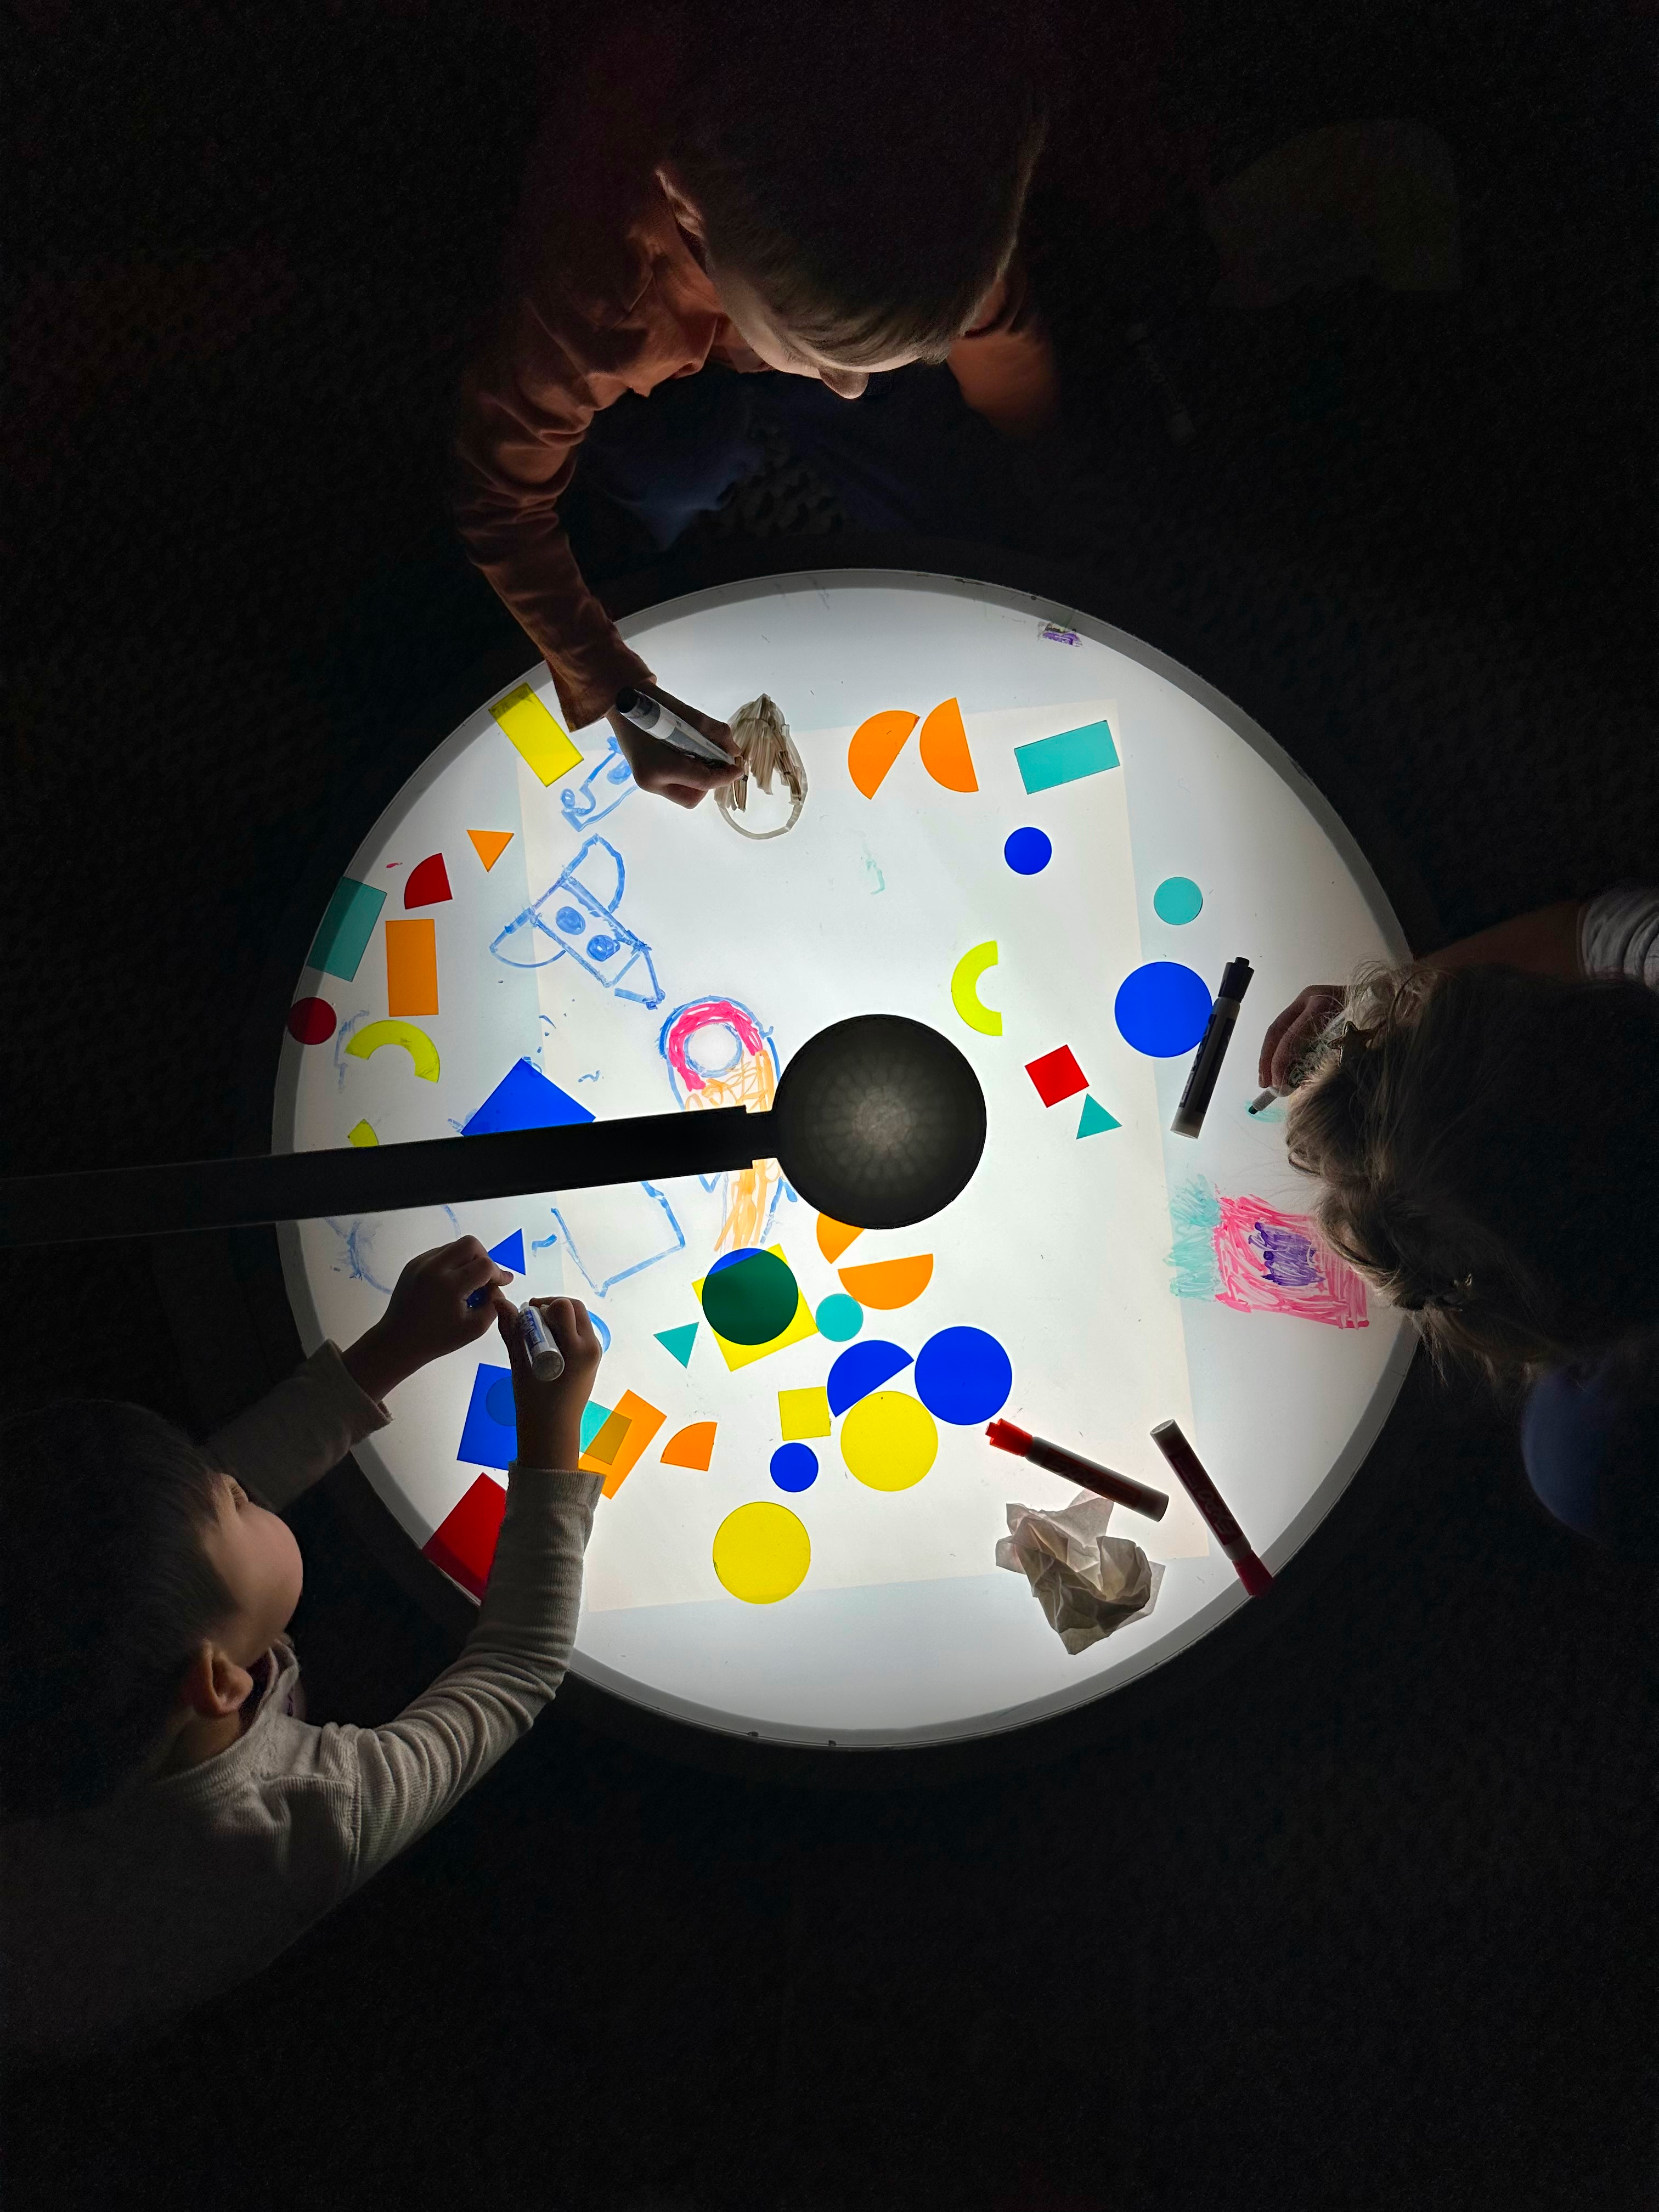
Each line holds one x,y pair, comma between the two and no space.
1055,636
1287,1257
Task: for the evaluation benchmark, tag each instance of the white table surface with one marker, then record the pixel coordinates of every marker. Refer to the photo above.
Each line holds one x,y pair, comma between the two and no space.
904,1630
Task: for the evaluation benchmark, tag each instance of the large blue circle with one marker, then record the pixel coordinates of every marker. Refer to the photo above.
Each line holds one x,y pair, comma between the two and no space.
1028,851
794,1466
963,1375
1162,1008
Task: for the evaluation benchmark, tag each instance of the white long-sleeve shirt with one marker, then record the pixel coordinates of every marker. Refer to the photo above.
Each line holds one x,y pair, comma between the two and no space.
184,1886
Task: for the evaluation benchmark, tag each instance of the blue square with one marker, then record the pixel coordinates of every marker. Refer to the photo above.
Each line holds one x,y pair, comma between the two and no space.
525,1099
486,1438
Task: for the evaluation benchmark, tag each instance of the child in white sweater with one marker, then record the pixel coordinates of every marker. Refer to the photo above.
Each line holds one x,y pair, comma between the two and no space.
171,1821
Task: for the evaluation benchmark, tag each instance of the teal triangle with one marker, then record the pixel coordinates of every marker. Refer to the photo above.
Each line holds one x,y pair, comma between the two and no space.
677,1342
509,1252
1095,1118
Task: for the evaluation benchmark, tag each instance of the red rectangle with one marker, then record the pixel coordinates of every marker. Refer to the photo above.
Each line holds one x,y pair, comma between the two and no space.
1057,1075
463,1543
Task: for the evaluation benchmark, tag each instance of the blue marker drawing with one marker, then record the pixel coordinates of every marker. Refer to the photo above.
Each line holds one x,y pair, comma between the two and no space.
358,1248
601,790
1194,1215
616,1231
577,915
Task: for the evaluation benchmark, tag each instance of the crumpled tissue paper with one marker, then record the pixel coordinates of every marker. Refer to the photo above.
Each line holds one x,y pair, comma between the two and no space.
1087,1583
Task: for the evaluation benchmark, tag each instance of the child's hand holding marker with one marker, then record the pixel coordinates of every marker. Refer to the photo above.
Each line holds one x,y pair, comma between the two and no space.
1290,1035
672,749
444,1300
549,1414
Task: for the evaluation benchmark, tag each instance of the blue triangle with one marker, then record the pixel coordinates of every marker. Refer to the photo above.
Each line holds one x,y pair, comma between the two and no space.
509,1252
677,1342
1094,1119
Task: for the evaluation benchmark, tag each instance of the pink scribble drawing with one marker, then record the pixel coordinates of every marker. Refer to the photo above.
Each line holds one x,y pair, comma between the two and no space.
1274,1263
743,1071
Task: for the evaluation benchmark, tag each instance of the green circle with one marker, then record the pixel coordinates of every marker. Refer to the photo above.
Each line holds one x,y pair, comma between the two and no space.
751,1300
1177,899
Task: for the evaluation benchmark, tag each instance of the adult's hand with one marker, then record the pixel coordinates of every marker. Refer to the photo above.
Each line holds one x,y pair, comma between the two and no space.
1289,1037
665,769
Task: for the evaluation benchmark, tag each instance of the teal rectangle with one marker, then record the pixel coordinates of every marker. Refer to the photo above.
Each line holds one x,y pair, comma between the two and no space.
340,944
1065,758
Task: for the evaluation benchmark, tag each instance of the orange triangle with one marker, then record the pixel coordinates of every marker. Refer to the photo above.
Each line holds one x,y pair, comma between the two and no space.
885,1284
945,753
489,844
693,1446
835,1237
876,745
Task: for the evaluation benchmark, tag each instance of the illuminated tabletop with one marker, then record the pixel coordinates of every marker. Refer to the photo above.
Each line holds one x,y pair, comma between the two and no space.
1023,829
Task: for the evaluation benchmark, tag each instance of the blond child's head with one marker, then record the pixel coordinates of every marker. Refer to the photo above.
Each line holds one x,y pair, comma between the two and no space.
1485,1141
856,172
138,1583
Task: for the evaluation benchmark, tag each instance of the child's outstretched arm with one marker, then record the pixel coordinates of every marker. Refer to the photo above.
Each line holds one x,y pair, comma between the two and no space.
296,1432
407,1775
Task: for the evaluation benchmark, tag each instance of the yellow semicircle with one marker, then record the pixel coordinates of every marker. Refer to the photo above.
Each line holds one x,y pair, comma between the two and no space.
415,1042
964,989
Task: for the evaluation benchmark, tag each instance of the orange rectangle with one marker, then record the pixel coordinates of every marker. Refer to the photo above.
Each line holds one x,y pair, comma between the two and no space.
411,967
642,1421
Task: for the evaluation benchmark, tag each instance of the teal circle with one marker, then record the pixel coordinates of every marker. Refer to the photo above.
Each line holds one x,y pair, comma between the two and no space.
749,1298
839,1317
1177,899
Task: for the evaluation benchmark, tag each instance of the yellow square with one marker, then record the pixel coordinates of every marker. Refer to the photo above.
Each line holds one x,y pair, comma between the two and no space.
804,1413
543,743
743,1355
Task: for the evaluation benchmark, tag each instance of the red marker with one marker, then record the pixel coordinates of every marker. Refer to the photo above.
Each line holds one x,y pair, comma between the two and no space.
1208,1499
1122,1489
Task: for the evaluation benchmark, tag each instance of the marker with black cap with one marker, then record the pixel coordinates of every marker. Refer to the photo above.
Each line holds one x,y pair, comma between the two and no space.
671,729
1212,1047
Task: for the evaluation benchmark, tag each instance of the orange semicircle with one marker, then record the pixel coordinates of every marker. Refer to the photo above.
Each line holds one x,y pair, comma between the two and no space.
876,745
945,753
692,1446
835,1237
885,1284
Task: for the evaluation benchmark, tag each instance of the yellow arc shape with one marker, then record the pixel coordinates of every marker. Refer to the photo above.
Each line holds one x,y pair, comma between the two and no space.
415,1042
761,1552
964,989
889,1440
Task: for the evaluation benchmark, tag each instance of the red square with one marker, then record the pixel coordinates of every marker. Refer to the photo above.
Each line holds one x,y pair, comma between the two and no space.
464,1544
1057,1075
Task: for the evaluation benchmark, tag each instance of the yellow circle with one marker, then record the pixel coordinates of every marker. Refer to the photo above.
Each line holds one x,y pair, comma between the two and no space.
889,1440
761,1552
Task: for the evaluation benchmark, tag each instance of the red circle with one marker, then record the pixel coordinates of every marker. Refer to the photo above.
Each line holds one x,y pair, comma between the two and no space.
312,1020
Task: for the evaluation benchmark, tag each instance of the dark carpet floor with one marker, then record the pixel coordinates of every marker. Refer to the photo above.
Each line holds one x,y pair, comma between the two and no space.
1365,1918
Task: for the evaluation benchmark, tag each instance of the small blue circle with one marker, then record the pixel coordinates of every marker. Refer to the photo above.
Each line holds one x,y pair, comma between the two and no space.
1028,851
499,1404
601,948
1162,1008
839,1317
571,920
1177,900
601,1328
794,1466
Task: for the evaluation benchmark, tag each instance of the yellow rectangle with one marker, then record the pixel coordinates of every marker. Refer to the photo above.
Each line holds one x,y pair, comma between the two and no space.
802,1413
743,1355
411,968
543,743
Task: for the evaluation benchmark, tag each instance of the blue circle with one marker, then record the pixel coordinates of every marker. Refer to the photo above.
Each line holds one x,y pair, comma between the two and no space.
731,1258
571,920
499,1403
839,1317
1162,1008
794,1466
1028,851
963,1375
1177,900
601,1328
601,948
